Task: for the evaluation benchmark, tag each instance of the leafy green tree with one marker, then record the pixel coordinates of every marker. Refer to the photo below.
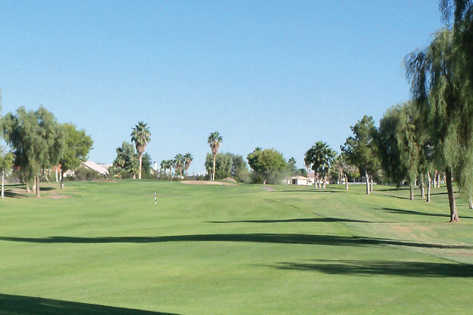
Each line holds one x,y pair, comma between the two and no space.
214,140
291,166
227,165
37,140
146,165
141,136
320,157
126,160
439,90
6,163
409,142
301,172
389,148
76,148
221,164
361,149
239,170
268,165
344,170
460,12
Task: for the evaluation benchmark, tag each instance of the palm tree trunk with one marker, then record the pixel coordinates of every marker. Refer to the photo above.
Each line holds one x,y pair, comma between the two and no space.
470,202
429,184
62,180
371,184
140,158
368,190
213,167
325,182
3,183
346,182
451,197
411,191
421,186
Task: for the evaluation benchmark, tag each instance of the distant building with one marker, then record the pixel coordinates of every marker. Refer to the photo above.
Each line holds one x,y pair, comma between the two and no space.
297,180
102,169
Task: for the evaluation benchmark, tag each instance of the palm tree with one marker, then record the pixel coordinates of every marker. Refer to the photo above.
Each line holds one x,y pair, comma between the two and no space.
320,156
164,166
215,139
179,163
187,161
141,136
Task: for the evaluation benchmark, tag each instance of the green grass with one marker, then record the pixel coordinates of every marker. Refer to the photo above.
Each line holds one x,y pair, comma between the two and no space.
233,250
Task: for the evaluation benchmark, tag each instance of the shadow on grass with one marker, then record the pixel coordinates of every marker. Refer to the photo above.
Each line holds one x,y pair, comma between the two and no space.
47,188
26,305
393,189
401,211
15,194
397,268
310,191
328,240
322,220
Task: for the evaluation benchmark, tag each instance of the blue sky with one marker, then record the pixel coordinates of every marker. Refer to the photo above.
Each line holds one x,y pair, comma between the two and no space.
274,74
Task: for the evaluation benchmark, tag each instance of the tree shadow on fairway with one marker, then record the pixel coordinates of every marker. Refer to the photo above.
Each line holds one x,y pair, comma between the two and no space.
309,239
401,211
398,268
14,194
393,189
27,305
322,220
309,191
47,188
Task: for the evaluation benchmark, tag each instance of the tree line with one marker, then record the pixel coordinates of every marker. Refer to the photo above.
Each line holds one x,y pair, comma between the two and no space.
39,143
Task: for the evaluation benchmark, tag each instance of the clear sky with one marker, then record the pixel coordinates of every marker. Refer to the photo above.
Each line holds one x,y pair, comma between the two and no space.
274,74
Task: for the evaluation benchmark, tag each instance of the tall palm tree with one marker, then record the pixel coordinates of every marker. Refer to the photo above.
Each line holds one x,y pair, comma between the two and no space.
141,136
214,140
187,161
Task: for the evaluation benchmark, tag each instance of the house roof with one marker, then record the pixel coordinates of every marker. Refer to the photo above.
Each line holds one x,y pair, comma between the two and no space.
101,169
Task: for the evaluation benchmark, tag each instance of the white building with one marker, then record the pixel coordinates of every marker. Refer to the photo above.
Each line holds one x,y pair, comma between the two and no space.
102,169
297,180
